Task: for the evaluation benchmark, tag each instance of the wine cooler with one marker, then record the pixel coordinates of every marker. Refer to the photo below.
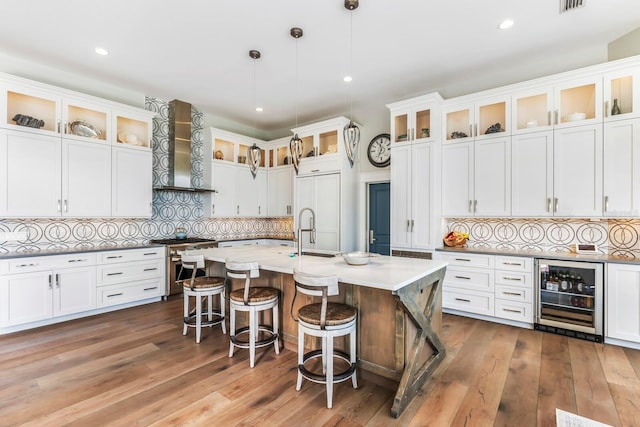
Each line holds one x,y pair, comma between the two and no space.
570,298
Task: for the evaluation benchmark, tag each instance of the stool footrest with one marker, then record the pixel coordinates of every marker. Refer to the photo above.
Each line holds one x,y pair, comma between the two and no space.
191,320
259,343
320,378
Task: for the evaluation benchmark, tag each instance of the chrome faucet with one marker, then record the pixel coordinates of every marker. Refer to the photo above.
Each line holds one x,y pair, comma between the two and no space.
311,230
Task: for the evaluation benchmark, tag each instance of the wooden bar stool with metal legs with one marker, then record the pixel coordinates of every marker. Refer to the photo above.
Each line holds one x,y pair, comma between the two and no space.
325,320
253,300
200,287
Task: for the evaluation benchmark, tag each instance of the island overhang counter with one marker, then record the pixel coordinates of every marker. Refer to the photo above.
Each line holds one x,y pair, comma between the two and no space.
399,303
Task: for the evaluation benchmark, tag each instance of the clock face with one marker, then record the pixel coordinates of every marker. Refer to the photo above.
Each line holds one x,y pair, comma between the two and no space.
379,150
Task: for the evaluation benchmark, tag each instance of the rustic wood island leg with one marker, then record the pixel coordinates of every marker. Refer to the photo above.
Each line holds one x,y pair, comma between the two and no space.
419,301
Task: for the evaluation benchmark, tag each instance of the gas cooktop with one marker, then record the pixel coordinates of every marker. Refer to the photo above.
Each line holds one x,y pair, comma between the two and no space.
181,241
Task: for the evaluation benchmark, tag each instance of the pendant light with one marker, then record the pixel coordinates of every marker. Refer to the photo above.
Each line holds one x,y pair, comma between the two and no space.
254,154
295,145
351,132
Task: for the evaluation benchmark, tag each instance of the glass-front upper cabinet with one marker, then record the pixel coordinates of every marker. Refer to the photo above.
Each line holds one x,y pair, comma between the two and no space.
485,118
322,138
132,130
578,102
532,110
243,155
279,154
31,110
621,94
415,119
82,120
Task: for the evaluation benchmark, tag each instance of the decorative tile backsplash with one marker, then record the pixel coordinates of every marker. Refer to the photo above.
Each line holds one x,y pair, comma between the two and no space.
613,236
170,209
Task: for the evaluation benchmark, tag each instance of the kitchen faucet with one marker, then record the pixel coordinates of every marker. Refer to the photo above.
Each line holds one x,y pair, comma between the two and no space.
312,230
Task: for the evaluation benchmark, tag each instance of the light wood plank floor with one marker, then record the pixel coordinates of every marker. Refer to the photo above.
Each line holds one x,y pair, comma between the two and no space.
134,367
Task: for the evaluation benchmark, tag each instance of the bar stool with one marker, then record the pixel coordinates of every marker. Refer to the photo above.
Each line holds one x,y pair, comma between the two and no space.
326,320
200,287
252,300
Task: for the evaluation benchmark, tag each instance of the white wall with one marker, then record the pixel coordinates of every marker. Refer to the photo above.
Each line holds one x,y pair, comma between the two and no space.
627,45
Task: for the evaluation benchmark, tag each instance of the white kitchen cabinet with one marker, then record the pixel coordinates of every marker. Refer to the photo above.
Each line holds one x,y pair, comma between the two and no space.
40,288
457,179
85,120
489,287
411,201
621,168
532,174
131,181
132,128
322,194
236,192
622,296
33,179
577,176
416,119
477,119
323,146
223,181
532,110
280,191
476,178
86,179
558,173
581,96
623,87
30,101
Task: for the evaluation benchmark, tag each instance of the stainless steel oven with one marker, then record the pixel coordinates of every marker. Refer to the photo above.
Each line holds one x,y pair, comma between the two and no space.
174,246
570,298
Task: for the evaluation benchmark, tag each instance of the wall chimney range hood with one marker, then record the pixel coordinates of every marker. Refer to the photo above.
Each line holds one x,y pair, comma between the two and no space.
180,149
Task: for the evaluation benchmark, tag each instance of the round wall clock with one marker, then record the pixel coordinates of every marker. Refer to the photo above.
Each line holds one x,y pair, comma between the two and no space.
379,150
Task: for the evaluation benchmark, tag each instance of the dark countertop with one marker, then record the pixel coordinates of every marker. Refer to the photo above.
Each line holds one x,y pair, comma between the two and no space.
565,256
65,251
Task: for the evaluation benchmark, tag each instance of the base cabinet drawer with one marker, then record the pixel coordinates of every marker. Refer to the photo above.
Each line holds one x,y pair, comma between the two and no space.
473,279
127,272
521,312
127,255
133,291
469,301
467,260
514,293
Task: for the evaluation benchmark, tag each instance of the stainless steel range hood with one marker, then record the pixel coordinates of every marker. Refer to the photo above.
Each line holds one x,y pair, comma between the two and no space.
180,149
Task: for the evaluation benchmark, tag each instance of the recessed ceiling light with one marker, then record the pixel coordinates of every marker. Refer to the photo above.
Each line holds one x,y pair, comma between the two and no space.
102,51
507,23
259,109
347,79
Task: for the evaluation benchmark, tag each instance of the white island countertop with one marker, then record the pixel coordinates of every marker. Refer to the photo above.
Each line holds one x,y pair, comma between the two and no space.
383,272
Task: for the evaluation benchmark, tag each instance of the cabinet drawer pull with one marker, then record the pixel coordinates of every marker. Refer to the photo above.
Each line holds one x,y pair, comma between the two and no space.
50,282
78,260
150,269
516,294
151,253
462,277
463,300
517,279
114,256
114,295
315,170
114,274
519,264
150,289
27,265
463,259
512,311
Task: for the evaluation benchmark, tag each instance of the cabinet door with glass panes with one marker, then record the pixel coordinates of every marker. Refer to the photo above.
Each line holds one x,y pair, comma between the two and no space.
578,102
622,94
485,118
416,119
131,129
30,110
85,121
532,110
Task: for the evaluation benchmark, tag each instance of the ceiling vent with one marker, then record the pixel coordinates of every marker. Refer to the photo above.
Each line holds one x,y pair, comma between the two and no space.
568,5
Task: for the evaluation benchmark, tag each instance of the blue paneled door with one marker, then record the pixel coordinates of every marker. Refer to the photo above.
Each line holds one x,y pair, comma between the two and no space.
379,218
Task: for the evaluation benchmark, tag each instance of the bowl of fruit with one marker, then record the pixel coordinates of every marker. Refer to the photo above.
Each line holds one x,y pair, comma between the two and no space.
455,239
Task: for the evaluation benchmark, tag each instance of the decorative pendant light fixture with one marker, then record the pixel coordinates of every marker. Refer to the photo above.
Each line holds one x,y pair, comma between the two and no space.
295,145
254,154
351,132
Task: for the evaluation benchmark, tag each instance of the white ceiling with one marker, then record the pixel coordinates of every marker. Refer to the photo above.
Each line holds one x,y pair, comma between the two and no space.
197,50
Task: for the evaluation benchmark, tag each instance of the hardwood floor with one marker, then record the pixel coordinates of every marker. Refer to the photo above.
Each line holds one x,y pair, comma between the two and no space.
134,367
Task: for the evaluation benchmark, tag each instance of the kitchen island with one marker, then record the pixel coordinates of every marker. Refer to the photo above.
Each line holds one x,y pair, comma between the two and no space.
399,303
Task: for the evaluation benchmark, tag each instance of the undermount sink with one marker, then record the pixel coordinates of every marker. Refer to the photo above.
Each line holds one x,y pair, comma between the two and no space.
320,254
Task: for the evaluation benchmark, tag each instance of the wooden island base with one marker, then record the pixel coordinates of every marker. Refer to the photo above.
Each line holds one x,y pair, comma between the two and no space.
396,334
